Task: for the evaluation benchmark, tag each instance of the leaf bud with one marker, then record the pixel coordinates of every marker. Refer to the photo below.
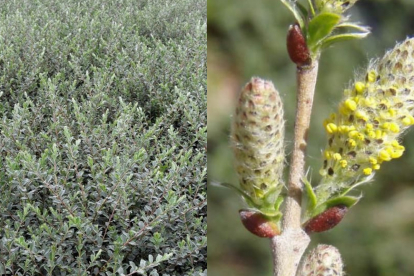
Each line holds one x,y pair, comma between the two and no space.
258,224
297,47
327,220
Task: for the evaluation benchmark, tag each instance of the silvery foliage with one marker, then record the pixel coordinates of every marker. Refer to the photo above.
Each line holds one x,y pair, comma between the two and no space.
103,137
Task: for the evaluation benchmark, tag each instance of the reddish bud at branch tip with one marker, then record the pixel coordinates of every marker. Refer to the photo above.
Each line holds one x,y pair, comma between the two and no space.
258,224
326,220
297,47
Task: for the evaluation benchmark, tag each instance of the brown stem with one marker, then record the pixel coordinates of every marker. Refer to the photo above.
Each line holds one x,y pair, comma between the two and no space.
306,81
288,248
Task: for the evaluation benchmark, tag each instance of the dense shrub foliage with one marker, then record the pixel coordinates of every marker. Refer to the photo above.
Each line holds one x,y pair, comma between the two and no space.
103,137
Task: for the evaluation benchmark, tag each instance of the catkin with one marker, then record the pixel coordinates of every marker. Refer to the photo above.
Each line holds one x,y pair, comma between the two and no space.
257,138
375,111
338,6
324,260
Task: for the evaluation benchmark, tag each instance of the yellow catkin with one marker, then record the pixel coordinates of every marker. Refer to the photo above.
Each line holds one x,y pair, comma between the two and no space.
375,111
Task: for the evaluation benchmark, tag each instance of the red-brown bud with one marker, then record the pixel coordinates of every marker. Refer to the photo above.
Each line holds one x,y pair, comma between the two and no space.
258,224
297,47
326,220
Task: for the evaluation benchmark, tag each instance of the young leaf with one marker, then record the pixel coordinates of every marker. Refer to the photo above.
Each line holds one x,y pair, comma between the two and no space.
347,201
312,200
292,7
245,196
355,26
342,37
320,27
303,10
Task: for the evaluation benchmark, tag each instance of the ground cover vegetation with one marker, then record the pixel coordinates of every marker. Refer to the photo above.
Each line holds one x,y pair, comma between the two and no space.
103,137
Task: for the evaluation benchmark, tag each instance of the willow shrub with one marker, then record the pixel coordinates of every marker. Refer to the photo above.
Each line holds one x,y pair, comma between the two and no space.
103,137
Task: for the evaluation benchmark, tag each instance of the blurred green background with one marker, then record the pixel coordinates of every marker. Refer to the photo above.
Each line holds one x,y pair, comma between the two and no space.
247,38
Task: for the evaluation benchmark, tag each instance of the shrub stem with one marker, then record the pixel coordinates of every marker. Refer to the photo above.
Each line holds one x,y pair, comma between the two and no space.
289,247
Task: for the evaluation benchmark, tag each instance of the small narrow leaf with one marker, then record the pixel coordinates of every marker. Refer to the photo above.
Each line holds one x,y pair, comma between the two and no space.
312,9
320,27
365,180
312,200
292,7
304,12
354,26
342,37
272,196
278,202
347,201
245,196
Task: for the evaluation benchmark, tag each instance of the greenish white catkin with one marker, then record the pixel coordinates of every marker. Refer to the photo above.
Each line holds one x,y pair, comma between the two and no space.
257,136
366,130
324,260
338,6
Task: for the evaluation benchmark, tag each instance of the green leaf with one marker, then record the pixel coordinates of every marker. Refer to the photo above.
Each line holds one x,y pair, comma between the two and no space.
269,206
312,9
363,181
364,29
348,201
273,215
320,27
272,195
304,12
312,200
278,202
292,6
342,37
245,196
272,212
363,32
21,241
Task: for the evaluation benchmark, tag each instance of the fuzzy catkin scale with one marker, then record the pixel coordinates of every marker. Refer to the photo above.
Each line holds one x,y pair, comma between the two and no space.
324,260
257,137
375,111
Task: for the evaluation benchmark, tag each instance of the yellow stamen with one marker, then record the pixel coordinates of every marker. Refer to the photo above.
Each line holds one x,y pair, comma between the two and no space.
331,128
359,87
372,76
350,104
397,154
408,120
367,171
384,155
373,160
394,127
337,156
352,143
